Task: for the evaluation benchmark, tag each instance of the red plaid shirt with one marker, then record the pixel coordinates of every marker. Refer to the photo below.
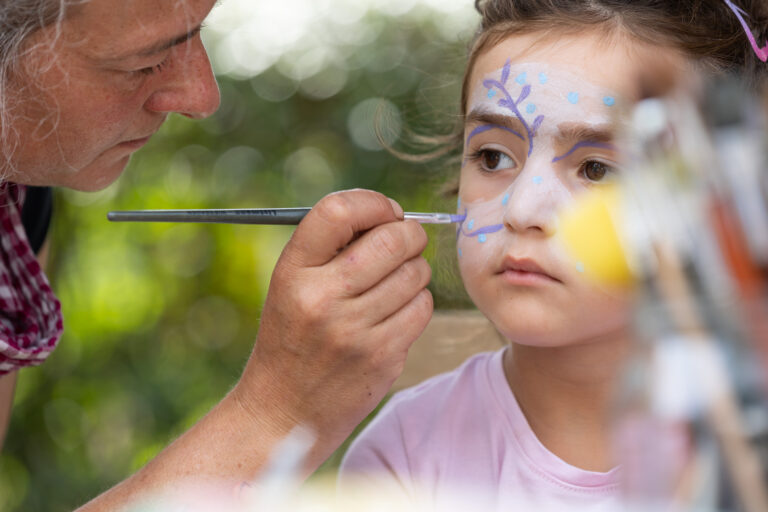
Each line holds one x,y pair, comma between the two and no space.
30,314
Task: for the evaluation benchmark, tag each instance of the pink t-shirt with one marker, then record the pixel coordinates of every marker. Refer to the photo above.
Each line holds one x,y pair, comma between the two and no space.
462,434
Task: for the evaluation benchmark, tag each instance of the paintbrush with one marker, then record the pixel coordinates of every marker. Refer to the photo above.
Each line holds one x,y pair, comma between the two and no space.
282,216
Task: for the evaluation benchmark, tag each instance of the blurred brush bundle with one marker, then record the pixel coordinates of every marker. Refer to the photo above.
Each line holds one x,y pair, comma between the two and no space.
688,228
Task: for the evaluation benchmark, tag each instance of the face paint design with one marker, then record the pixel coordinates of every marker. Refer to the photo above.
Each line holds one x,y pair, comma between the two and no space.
546,117
539,132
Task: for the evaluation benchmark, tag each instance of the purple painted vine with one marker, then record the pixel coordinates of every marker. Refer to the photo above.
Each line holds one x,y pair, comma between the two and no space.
512,105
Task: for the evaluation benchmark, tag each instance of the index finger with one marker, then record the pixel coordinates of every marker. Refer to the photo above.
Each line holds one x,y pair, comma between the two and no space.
335,221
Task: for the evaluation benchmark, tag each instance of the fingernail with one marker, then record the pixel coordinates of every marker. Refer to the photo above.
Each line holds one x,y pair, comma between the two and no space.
396,208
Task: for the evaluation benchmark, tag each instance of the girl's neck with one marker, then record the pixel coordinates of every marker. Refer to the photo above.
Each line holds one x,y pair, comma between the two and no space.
566,394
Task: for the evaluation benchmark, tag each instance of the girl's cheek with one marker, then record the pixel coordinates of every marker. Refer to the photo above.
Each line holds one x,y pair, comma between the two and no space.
479,237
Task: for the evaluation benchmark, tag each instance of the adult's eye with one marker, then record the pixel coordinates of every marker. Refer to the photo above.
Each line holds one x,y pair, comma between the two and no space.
493,160
595,171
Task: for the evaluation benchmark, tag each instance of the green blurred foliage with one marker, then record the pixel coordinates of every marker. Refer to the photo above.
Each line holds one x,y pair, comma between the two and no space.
160,318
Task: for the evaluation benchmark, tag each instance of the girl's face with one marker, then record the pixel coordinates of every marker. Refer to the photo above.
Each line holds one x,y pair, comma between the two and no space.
540,125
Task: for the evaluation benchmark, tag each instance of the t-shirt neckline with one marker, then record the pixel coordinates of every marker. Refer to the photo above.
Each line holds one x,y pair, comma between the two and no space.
537,456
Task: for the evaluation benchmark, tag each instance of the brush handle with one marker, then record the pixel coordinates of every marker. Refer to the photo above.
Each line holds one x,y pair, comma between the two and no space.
280,216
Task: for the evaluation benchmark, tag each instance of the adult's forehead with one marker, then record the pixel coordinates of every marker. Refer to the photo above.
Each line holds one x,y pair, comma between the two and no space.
109,27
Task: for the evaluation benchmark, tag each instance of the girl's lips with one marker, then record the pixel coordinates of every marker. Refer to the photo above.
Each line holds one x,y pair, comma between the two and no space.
525,272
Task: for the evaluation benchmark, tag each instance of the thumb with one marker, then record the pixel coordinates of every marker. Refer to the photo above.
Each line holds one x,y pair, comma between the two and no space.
335,221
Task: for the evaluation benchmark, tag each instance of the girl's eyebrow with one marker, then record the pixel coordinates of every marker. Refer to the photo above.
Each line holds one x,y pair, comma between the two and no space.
583,136
575,132
488,121
584,144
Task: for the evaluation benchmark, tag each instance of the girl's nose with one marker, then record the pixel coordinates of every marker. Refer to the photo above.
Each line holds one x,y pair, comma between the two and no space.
532,201
186,85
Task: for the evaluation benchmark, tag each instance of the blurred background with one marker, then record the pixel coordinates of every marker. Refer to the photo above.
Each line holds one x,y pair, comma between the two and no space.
160,318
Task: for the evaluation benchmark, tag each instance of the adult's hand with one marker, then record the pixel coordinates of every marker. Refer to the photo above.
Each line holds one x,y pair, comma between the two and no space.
346,301
347,298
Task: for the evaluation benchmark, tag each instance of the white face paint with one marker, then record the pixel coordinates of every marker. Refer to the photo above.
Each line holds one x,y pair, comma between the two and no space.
536,135
524,122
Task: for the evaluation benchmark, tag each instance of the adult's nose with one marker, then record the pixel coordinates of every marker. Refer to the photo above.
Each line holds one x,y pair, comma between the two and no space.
186,85
533,199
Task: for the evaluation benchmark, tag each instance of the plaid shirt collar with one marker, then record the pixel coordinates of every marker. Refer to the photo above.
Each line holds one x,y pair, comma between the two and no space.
30,314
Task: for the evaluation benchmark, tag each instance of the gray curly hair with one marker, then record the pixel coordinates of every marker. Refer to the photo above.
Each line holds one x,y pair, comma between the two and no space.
19,19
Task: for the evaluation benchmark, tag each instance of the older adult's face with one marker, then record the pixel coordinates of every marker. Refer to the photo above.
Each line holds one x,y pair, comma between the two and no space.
87,99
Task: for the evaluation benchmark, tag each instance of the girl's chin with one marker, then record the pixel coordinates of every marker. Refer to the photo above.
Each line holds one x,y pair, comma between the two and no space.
553,334
537,339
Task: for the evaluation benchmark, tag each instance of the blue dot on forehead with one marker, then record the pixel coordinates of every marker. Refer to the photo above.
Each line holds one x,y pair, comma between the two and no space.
482,238
471,224
530,108
543,78
522,78
609,101
573,97
491,93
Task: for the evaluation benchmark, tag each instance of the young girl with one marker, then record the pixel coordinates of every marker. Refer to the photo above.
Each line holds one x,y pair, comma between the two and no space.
547,85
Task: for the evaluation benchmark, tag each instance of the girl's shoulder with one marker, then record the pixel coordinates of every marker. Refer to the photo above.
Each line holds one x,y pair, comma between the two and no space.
416,426
473,382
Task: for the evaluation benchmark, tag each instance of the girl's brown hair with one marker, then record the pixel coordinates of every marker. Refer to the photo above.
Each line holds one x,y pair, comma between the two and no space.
706,31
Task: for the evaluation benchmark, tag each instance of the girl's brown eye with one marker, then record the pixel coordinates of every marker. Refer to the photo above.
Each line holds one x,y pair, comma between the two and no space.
491,159
595,171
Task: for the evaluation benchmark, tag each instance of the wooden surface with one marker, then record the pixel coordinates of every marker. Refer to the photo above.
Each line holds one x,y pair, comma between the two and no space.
449,339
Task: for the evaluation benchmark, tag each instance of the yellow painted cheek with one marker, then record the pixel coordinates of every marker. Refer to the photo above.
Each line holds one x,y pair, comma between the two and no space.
588,230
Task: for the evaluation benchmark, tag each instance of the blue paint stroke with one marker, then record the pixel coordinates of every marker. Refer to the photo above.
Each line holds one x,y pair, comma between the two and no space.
538,180
609,101
460,253
512,105
543,78
505,72
536,123
530,108
485,230
505,199
522,78
584,144
486,127
573,97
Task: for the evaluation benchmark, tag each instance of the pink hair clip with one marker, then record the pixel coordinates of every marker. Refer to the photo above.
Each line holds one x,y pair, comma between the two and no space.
762,53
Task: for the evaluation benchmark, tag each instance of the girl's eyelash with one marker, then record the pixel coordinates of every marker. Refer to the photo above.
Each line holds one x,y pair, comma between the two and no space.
477,156
582,169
